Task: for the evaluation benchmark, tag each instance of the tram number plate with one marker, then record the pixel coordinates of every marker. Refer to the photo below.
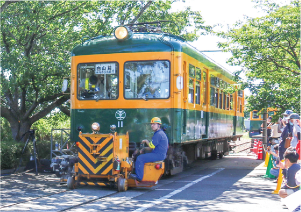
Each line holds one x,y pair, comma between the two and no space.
105,68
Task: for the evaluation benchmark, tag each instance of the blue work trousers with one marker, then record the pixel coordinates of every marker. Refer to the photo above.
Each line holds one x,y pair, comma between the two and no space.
274,172
146,158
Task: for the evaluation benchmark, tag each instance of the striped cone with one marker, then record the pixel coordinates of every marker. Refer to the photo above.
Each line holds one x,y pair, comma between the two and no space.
255,146
259,156
267,158
279,182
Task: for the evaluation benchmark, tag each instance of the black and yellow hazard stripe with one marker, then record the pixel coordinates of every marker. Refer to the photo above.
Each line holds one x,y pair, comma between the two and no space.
88,162
96,183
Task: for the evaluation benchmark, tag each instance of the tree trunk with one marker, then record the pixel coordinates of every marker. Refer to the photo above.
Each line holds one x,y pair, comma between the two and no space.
19,129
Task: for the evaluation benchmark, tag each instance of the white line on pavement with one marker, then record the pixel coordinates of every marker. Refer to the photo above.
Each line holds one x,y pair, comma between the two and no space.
146,206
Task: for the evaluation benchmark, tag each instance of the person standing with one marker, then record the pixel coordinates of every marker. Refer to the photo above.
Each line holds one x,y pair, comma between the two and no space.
158,145
296,129
287,132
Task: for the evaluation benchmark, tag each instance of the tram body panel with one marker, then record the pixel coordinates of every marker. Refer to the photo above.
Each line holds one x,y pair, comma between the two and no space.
187,120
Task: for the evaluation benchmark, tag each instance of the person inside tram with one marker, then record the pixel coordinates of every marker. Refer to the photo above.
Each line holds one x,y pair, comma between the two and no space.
87,85
102,93
150,93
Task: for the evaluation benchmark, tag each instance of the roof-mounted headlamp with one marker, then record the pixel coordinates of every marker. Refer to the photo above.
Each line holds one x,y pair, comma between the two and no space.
122,33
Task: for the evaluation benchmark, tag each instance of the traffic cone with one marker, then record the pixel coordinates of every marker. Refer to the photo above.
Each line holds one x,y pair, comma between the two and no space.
270,165
259,157
255,146
267,158
279,182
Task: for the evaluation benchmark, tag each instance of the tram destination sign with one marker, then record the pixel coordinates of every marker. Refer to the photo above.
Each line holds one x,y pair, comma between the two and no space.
105,68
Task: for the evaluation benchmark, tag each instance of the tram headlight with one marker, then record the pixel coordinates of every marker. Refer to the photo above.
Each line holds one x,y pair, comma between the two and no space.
95,126
122,33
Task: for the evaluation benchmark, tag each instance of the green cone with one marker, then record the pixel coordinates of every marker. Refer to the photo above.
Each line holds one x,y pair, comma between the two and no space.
270,165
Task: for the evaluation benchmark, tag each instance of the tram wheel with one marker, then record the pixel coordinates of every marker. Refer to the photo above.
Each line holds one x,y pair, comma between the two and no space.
122,184
213,154
220,155
71,183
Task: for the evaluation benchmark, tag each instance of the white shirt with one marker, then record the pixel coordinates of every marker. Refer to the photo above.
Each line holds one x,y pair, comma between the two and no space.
275,133
296,129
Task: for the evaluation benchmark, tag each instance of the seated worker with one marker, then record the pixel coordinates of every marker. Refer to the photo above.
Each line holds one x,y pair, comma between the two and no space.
275,161
289,170
158,145
87,85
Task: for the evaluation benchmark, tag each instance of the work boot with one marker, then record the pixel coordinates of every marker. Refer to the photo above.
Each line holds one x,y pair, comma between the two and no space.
135,177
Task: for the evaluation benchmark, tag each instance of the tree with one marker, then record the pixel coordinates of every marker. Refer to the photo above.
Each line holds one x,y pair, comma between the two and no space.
37,37
269,50
35,57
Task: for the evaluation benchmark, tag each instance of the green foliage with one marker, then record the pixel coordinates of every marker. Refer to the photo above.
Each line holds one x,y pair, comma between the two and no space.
37,37
57,120
11,150
10,154
269,50
5,130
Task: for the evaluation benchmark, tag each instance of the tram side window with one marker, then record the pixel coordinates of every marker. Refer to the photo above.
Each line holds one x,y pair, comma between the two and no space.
191,83
97,81
255,115
224,102
212,96
204,88
147,80
240,104
191,71
231,102
228,102
197,93
198,73
191,91
212,80
216,97
220,100
240,93
198,83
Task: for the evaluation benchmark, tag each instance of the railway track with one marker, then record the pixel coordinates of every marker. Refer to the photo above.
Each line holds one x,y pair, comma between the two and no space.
242,146
10,207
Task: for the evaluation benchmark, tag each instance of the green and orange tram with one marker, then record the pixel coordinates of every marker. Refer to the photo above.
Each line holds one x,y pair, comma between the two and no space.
120,82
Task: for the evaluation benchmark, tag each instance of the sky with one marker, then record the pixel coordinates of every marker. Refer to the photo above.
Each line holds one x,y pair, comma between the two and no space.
225,12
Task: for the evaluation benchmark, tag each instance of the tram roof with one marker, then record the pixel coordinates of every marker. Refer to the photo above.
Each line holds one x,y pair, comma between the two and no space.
145,42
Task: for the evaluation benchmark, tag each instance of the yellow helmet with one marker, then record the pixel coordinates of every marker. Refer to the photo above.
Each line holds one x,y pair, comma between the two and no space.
156,120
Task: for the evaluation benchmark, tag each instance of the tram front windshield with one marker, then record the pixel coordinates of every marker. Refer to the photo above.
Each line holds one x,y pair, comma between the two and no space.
97,81
146,80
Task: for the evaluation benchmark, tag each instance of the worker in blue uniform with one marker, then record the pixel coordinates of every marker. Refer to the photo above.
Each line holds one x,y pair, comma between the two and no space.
158,145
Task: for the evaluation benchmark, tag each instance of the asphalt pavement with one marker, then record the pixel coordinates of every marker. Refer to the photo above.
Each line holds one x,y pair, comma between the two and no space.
234,183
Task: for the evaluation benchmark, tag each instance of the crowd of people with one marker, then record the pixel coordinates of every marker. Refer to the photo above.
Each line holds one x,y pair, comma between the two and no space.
284,144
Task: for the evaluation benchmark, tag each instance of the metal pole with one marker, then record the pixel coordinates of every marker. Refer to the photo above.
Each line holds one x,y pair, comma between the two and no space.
264,133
